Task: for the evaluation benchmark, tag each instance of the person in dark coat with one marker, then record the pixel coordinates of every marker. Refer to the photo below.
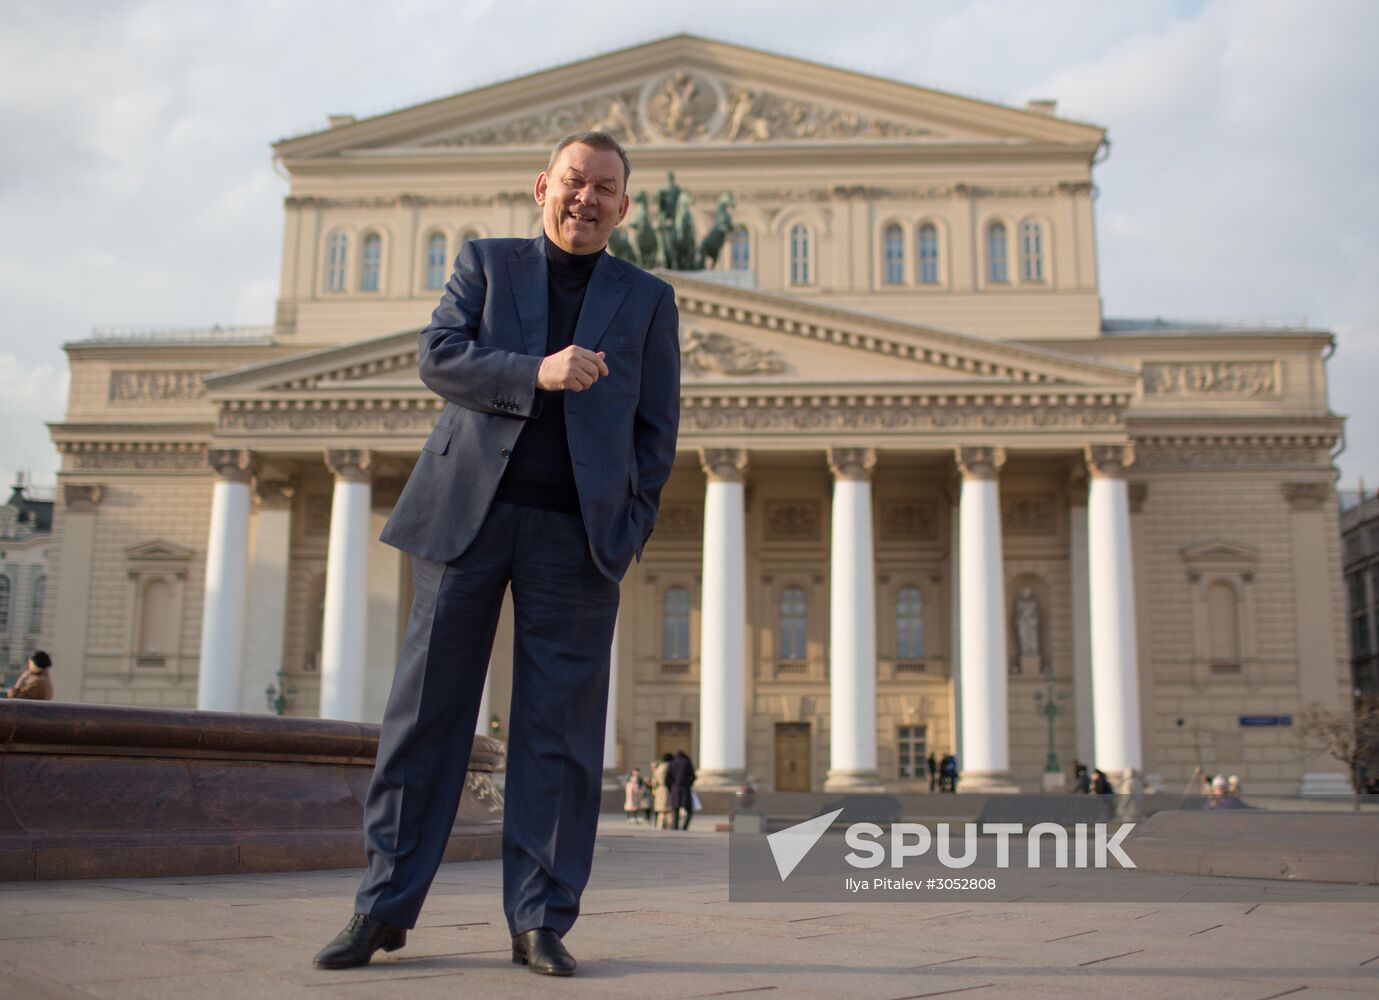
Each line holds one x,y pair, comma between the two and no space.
1082,781
948,773
1101,785
681,774
932,764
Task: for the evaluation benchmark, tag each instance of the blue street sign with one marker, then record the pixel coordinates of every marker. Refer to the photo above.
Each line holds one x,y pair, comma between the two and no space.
1266,720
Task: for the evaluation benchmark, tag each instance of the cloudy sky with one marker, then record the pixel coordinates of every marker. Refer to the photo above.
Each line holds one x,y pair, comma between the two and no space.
136,185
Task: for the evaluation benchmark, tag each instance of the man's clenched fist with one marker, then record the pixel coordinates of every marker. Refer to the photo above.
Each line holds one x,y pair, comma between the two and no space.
575,368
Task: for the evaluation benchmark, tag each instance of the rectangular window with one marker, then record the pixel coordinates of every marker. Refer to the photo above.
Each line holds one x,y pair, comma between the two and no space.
911,751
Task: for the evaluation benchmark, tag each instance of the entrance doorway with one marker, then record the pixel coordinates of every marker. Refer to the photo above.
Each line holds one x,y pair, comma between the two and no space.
673,736
792,757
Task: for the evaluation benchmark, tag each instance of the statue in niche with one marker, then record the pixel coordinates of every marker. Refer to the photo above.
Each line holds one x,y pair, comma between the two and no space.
1027,618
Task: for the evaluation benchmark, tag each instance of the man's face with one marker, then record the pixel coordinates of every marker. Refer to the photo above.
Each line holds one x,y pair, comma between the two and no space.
582,198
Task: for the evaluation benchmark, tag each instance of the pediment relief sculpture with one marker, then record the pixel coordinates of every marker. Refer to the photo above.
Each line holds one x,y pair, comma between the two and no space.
720,354
687,106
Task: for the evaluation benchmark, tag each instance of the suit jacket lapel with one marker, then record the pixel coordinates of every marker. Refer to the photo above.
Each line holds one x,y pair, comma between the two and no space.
607,289
528,273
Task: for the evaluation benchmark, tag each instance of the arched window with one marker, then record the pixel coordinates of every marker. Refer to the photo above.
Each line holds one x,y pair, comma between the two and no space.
740,249
1223,641
675,634
893,246
909,624
6,590
928,254
337,244
435,261
801,267
794,620
1031,251
40,595
157,633
373,263
997,264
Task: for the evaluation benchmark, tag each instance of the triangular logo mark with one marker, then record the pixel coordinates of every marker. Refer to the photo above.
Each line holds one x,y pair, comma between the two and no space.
789,846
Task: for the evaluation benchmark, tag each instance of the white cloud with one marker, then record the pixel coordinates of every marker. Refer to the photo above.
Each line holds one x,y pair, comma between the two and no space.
30,395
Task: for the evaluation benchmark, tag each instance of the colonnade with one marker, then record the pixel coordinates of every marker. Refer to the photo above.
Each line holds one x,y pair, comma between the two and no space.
982,656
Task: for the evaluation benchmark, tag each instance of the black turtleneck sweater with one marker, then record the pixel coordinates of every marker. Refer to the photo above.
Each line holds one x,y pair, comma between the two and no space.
539,473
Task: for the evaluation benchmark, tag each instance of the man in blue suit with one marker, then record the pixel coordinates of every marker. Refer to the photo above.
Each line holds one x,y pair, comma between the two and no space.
559,366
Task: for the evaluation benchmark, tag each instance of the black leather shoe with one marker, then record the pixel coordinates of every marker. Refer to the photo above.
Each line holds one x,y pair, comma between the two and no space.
541,951
355,945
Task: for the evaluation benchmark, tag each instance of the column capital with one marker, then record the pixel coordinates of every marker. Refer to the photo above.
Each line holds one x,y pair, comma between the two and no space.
1109,460
1307,496
274,494
979,463
231,464
82,497
353,465
852,463
724,465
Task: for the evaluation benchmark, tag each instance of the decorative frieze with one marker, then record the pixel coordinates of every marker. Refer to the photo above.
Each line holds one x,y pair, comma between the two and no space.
1028,514
720,354
792,521
156,386
327,421
1210,378
909,521
140,461
1234,454
734,414
679,522
688,106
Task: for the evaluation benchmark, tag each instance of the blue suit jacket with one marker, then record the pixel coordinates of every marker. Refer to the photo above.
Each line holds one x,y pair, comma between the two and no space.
481,353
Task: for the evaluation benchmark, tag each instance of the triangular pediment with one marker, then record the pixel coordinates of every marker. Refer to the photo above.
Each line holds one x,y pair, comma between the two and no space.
738,338
686,91
1220,551
157,550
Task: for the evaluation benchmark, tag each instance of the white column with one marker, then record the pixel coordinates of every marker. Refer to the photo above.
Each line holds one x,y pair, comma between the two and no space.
1110,579
981,586
852,624
267,608
610,722
954,627
227,572
481,725
1082,642
344,631
723,622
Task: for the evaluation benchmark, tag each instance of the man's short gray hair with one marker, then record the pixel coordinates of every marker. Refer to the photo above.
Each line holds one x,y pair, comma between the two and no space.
597,140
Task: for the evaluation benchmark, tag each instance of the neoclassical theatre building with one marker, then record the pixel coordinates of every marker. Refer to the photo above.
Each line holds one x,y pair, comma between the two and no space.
927,499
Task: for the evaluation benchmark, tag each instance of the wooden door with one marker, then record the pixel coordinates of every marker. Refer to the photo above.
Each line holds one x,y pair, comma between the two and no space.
673,736
792,757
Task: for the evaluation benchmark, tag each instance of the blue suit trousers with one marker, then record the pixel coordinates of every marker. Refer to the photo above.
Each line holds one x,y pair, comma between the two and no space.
565,610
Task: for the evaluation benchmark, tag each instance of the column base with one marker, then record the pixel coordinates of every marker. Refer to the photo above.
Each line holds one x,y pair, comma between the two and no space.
988,783
1325,784
846,780
730,779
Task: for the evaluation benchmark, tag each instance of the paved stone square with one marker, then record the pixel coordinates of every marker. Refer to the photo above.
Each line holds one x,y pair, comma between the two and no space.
657,924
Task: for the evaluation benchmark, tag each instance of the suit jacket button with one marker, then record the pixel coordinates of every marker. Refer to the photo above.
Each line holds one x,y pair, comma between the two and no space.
506,453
